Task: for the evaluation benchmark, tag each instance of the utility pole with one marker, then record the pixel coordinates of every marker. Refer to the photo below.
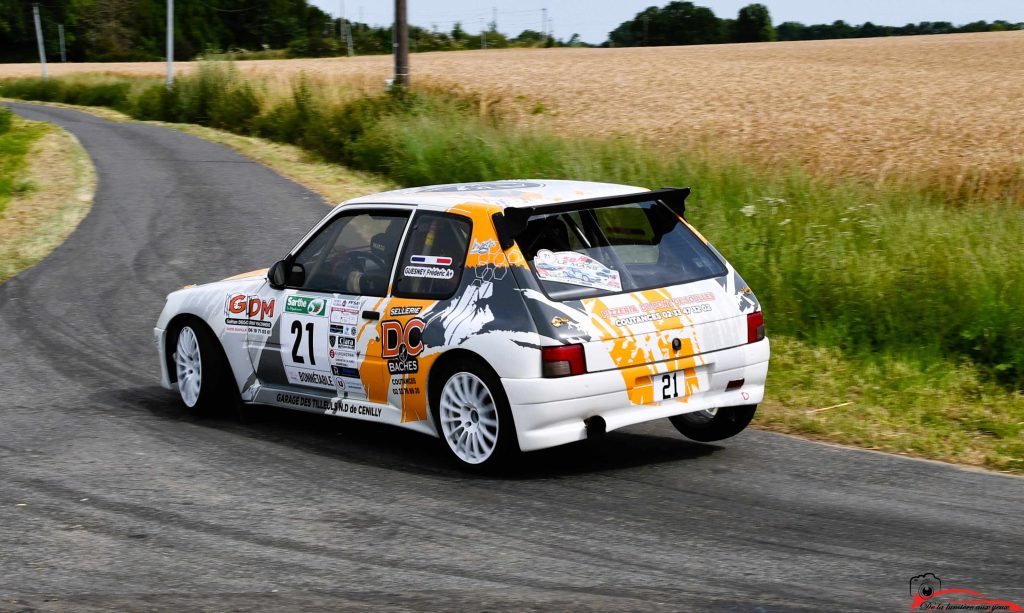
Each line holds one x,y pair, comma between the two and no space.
544,23
345,30
483,39
39,40
401,45
170,44
60,32
494,18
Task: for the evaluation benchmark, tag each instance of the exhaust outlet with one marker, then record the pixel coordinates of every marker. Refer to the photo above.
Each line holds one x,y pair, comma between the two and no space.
595,426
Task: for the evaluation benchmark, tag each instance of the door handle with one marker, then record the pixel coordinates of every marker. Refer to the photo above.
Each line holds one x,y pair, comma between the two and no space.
374,315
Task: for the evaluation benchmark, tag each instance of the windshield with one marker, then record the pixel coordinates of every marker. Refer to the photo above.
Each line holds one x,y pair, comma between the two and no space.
610,250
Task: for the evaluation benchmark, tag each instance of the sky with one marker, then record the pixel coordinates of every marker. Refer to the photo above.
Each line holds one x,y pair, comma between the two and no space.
593,19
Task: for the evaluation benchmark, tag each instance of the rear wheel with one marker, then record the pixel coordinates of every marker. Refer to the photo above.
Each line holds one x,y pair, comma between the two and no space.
200,367
714,424
473,417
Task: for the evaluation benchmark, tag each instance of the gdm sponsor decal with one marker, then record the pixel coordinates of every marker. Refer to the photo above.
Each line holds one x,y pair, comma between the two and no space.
247,313
401,344
306,305
429,272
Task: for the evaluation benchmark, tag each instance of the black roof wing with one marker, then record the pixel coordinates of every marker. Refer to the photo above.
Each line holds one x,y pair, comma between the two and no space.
512,221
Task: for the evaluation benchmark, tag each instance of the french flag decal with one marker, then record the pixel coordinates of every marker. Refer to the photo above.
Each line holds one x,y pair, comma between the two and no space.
431,260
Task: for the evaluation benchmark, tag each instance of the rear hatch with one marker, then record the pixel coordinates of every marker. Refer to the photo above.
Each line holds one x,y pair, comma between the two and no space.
661,324
630,280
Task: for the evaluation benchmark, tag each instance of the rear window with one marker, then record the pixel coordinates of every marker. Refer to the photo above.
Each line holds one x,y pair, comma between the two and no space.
610,250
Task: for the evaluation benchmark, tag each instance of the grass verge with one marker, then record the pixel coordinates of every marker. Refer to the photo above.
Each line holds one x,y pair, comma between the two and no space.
46,188
938,410
902,308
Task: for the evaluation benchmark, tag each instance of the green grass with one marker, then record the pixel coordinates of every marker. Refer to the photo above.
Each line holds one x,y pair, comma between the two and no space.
16,138
916,301
926,408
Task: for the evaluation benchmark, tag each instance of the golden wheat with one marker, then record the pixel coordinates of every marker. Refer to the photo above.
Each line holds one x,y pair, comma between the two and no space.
946,111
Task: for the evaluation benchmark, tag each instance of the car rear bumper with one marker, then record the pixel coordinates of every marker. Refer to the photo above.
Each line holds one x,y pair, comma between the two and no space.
551,412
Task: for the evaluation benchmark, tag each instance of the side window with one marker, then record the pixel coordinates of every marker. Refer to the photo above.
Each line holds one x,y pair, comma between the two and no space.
434,256
353,254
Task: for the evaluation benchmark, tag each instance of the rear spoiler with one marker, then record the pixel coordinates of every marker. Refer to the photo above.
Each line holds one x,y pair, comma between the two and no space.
512,221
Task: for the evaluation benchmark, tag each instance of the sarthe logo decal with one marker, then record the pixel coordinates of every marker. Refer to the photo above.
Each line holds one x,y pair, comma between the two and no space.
928,595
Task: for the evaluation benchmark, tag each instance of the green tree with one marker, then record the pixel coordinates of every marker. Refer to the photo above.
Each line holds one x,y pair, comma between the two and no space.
754,24
678,23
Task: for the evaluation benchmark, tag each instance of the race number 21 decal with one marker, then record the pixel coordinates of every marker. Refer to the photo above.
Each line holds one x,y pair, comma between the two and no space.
297,347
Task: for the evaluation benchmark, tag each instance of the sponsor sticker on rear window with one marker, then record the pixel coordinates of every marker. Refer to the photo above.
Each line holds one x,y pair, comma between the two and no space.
575,269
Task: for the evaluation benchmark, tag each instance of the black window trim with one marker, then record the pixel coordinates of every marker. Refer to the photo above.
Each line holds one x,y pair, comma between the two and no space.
401,252
343,211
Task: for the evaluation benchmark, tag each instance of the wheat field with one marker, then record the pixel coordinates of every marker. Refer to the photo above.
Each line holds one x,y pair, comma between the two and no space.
944,110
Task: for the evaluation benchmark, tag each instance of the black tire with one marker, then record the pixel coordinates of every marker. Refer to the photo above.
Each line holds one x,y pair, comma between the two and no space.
217,391
507,445
727,422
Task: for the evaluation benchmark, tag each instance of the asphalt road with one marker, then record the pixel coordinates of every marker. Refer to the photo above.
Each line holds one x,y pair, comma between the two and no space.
111,498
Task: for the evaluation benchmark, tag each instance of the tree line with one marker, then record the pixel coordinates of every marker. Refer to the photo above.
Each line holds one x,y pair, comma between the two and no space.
684,23
135,30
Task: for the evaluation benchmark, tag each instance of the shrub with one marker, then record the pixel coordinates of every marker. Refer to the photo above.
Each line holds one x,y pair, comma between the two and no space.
5,120
33,89
113,94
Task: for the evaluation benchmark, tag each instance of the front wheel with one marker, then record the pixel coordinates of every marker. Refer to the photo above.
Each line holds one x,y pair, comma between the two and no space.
473,417
714,424
200,369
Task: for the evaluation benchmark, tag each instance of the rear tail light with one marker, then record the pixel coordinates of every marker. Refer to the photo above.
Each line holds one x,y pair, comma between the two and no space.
755,326
563,361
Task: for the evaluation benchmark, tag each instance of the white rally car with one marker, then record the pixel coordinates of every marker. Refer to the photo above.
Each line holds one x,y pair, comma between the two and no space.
500,317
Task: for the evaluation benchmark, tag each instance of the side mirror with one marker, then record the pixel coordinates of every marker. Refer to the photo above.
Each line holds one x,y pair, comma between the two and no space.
282,274
278,274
